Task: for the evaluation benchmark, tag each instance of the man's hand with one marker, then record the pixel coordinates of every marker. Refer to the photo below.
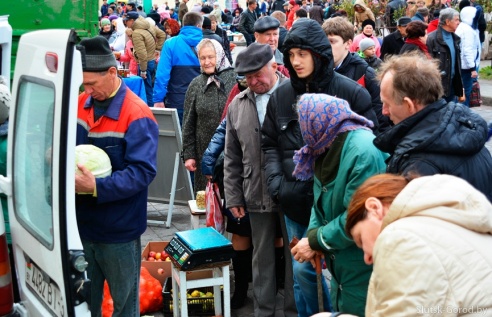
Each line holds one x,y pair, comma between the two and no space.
238,212
474,74
190,165
85,182
159,105
143,75
302,252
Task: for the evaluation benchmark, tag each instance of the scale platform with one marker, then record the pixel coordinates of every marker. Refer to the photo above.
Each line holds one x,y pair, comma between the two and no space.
199,248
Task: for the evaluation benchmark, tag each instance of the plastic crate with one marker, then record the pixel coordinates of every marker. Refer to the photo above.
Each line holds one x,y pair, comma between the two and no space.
197,306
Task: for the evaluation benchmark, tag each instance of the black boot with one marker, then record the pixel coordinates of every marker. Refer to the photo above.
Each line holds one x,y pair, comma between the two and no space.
242,271
280,267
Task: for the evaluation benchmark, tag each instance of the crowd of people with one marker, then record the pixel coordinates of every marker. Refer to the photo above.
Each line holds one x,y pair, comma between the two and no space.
361,147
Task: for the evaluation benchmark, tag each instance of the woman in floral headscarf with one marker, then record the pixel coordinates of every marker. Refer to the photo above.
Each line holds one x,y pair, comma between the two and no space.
204,103
339,155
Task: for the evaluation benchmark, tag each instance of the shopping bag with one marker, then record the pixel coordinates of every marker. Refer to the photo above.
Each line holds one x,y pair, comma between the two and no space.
475,96
213,202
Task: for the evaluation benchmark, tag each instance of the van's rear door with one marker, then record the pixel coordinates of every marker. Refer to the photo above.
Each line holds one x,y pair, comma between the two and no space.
48,251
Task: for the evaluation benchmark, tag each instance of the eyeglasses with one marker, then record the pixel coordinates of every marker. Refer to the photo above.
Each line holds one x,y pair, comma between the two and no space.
410,2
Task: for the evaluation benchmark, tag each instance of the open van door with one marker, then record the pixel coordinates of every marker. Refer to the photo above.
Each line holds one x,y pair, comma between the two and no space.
49,256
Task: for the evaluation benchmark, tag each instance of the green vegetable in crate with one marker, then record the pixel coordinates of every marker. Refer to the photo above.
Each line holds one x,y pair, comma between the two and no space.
94,159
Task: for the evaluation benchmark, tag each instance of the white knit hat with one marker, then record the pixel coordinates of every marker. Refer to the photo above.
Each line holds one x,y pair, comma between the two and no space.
5,101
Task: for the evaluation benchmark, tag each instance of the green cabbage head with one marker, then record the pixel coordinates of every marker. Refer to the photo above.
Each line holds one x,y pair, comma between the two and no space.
93,158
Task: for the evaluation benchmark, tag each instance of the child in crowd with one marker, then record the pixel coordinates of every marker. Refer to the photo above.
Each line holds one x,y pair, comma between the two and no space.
367,51
127,56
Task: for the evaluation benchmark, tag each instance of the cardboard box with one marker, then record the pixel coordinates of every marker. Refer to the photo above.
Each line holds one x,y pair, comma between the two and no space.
153,267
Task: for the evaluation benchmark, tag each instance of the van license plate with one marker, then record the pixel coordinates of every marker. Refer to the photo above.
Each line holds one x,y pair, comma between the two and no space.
45,289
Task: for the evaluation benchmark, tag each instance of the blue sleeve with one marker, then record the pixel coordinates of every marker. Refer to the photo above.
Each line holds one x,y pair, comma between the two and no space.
215,147
163,73
140,156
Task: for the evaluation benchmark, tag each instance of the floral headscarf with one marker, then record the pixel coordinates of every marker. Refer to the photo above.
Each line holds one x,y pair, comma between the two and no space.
221,61
322,118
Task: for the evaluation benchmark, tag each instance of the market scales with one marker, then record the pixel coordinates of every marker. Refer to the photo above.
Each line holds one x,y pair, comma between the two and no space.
192,249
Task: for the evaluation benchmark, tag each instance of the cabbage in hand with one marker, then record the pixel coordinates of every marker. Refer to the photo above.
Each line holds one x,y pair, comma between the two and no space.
94,159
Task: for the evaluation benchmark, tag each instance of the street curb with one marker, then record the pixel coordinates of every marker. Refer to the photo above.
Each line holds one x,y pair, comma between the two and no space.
487,101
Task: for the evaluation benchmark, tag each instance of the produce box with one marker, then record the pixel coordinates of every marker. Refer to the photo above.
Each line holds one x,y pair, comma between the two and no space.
158,269
200,300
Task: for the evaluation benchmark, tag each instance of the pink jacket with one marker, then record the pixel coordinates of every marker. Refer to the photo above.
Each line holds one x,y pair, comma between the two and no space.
128,57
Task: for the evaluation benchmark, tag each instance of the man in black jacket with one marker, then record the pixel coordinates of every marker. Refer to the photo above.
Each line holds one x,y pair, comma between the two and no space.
309,59
278,5
430,136
444,45
340,33
247,23
392,43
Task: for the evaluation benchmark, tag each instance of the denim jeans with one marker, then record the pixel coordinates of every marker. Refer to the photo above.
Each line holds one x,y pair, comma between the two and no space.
149,82
467,84
305,286
119,264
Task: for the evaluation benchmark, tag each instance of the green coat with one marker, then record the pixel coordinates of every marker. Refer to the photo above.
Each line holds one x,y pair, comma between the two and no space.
352,159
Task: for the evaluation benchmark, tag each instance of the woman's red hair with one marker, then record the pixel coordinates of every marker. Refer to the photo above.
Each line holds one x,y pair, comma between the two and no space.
384,187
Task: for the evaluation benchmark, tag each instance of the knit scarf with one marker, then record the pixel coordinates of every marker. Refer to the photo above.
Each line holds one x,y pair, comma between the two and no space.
322,118
422,46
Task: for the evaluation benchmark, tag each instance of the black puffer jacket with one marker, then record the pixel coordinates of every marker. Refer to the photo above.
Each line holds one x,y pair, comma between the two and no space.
441,139
281,131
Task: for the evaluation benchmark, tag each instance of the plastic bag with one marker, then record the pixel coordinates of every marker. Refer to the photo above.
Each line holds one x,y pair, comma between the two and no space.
215,219
150,295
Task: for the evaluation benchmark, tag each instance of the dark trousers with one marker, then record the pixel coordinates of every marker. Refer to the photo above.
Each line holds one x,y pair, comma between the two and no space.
149,82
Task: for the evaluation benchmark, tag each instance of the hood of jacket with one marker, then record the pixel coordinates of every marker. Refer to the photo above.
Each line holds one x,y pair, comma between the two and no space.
307,34
361,3
191,35
467,14
445,197
438,128
141,23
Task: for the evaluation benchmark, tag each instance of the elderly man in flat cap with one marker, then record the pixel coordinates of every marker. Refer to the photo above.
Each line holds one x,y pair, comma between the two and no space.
393,42
244,179
267,32
112,211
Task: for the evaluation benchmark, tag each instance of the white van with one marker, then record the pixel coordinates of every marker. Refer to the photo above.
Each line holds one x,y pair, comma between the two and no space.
40,182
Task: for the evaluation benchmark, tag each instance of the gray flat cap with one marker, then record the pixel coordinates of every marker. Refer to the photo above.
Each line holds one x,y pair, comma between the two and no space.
266,23
403,21
253,58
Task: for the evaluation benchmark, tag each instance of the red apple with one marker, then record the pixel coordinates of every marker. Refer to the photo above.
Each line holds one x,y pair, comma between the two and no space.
150,258
152,254
159,260
164,255
160,271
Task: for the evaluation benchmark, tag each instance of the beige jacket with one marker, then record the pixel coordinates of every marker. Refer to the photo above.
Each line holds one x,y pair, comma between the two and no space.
361,17
144,42
434,254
